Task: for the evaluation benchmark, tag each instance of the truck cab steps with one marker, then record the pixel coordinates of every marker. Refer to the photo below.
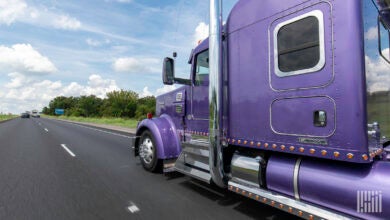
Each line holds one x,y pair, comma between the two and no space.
194,160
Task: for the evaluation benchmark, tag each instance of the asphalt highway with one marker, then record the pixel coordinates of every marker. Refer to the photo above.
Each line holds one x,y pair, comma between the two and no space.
51,169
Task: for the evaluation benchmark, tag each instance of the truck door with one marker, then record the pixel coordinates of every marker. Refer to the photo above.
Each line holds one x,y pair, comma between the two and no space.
200,93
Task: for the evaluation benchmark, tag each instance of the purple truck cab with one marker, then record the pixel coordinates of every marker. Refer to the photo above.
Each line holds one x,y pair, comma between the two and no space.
283,106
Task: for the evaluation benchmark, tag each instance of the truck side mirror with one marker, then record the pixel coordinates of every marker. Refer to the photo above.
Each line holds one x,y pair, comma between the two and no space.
168,71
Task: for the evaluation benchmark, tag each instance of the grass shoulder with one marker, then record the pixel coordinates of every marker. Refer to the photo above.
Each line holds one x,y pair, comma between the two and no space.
122,122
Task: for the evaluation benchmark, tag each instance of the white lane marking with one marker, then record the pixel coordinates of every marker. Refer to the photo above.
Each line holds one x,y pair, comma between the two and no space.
133,208
95,129
70,152
46,130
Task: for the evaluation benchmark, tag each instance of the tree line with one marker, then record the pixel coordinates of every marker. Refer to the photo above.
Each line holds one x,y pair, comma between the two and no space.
124,104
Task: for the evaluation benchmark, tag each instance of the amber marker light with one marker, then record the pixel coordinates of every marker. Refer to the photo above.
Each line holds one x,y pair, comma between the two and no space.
281,206
349,155
274,146
300,213
292,148
312,151
365,157
283,147
311,217
258,144
252,143
239,142
323,152
266,145
336,154
290,209
233,141
273,203
257,197
301,149
245,142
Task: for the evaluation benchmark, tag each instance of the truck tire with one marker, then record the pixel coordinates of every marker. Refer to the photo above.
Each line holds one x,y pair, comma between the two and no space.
148,152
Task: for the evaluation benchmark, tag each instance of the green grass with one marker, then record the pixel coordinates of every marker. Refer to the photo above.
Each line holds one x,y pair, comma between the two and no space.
6,117
128,123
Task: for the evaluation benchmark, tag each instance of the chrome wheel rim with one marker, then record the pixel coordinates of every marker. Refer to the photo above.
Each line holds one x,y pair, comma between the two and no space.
146,150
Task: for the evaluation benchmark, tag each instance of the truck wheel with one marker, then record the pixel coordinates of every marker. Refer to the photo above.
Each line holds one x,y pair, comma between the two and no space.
148,152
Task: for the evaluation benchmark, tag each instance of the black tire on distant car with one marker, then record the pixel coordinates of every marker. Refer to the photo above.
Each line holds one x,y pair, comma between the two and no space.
148,152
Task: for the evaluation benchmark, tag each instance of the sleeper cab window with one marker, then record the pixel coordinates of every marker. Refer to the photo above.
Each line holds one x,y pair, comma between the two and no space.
299,45
202,69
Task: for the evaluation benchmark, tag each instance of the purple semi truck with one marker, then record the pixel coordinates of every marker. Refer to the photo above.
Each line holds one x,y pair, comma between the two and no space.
287,103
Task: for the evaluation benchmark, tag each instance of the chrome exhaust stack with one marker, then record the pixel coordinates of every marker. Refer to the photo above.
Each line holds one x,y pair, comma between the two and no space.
215,94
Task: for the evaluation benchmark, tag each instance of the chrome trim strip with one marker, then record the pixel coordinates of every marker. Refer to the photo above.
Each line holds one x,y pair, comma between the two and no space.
296,178
215,94
299,205
302,135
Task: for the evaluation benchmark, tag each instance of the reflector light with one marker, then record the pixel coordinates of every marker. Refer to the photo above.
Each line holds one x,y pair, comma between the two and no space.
301,149
290,209
336,154
292,148
266,145
323,152
350,156
258,144
300,213
312,151
274,146
149,115
252,143
365,157
245,142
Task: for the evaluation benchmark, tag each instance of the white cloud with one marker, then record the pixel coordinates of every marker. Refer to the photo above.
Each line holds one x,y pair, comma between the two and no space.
145,92
96,43
11,10
201,32
371,34
67,23
378,73
29,93
137,65
24,58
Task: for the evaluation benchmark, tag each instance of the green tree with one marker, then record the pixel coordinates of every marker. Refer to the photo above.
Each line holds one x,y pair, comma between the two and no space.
88,106
145,105
121,104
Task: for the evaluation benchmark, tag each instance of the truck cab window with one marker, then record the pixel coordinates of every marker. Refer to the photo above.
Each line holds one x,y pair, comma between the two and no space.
202,69
299,45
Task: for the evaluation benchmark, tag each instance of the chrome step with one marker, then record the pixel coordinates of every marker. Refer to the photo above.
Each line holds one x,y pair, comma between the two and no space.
292,206
194,160
182,167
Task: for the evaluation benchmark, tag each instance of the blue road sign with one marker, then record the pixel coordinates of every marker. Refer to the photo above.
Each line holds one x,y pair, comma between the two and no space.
59,111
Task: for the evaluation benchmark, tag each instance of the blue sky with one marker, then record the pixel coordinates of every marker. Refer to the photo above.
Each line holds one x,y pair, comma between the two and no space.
50,47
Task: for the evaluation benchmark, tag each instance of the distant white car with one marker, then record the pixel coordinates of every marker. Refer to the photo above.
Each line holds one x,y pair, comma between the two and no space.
35,114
